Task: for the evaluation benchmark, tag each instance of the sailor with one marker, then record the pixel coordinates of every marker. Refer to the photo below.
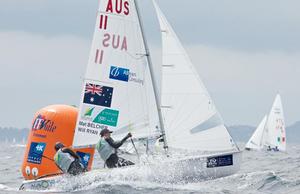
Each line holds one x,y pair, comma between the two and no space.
107,149
276,149
67,160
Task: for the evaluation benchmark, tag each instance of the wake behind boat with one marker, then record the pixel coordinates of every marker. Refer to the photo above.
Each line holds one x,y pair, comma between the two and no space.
120,94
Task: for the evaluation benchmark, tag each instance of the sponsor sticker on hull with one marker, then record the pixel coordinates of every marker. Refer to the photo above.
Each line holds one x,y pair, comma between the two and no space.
219,161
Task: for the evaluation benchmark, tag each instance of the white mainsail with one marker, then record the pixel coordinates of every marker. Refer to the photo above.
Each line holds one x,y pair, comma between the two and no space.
190,117
275,127
117,92
257,140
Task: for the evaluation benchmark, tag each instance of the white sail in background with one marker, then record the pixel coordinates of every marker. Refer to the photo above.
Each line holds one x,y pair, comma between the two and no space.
190,117
256,141
117,91
275,127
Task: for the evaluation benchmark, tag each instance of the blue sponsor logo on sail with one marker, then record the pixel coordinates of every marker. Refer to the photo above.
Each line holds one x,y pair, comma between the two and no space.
119,73
36,152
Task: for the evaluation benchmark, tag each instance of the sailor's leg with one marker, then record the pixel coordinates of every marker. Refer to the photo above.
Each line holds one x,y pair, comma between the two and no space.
112,161
76,168
71,169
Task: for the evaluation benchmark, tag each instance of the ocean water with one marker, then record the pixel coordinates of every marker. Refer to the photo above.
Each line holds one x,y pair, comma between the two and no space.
261,172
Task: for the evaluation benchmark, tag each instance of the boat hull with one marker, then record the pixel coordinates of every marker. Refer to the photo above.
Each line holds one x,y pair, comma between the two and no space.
36,185
197,168
216,166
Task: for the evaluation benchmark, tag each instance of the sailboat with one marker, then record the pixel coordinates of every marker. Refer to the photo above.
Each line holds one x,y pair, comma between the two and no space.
270,133
119,93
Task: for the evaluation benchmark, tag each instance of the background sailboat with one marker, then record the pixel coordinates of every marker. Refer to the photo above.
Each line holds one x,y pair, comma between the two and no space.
270,134
275,128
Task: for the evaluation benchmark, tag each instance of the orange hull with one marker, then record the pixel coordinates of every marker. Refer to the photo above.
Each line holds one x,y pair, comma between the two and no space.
51,124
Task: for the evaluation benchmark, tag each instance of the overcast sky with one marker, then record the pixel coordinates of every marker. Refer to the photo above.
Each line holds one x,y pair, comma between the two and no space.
244,51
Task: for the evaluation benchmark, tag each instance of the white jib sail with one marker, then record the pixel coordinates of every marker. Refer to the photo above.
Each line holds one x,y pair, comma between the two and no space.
256,141
276,135
117,92
190,118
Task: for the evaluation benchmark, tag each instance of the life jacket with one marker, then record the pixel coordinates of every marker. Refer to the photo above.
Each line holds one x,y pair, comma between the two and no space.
63,160
105,150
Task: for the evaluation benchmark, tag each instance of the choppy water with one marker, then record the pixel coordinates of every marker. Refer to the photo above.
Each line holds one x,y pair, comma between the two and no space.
261,172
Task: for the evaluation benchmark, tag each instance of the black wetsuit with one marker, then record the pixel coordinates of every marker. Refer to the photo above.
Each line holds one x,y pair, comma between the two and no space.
114,160
76,167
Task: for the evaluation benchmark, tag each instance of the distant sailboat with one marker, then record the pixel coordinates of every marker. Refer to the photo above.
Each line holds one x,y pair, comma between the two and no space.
270,134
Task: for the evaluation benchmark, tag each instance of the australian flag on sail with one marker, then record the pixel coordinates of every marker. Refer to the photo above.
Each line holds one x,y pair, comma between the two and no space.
98,95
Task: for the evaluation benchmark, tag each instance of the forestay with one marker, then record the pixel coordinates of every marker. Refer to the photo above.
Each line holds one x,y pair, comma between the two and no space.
275,129
257,140
117,91
190,117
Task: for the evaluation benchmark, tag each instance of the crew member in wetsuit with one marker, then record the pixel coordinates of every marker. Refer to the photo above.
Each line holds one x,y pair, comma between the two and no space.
107,149
67,160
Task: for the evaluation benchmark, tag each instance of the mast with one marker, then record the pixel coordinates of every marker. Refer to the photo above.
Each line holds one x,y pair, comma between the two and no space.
157,99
